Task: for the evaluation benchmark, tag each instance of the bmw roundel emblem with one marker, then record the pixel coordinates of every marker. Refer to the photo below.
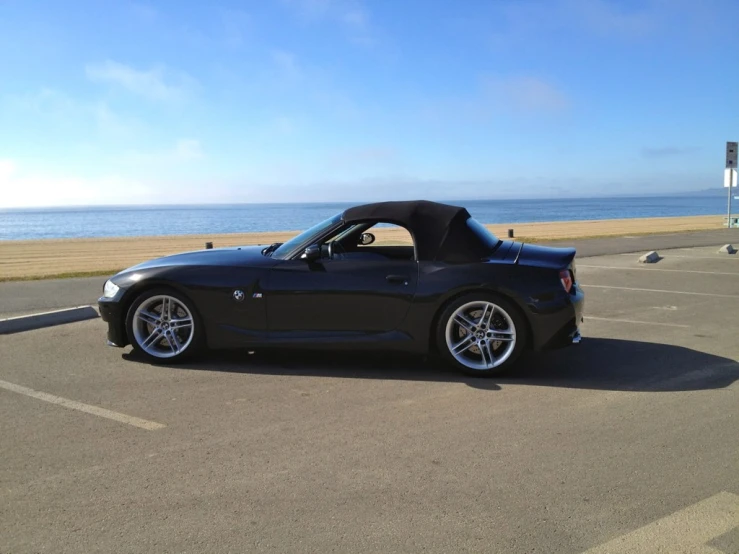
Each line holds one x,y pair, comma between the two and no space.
239,295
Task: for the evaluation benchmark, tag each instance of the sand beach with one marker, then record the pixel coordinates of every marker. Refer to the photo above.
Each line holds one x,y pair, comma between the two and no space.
39,259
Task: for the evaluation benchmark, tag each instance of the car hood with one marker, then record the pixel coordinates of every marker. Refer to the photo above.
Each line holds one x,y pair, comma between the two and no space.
233,256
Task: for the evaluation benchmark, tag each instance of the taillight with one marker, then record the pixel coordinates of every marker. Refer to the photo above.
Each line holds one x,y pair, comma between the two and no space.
565,276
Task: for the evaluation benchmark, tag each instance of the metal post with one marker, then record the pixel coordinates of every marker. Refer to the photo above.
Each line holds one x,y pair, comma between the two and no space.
731,184
731,159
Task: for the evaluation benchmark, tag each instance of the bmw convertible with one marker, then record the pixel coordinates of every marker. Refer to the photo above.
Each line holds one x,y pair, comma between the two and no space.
447,287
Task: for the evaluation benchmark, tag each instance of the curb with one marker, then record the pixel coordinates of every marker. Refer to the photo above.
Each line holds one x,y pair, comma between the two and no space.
46,319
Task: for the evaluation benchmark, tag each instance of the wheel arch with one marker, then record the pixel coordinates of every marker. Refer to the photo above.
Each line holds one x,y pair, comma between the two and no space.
478,289
143,286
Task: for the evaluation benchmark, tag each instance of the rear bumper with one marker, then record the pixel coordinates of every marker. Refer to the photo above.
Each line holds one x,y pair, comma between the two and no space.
112,314
560,326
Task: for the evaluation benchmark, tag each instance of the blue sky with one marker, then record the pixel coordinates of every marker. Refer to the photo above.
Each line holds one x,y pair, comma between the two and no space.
354,100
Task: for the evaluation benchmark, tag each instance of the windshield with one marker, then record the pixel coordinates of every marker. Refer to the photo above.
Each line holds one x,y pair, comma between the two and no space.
485,236
286,248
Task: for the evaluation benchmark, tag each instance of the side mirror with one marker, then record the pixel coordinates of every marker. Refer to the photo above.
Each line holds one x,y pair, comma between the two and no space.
366,238
313,252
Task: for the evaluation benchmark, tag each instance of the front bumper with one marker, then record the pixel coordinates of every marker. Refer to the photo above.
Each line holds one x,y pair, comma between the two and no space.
112,313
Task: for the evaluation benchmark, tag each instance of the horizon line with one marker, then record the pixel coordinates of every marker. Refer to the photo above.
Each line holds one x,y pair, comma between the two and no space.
359,202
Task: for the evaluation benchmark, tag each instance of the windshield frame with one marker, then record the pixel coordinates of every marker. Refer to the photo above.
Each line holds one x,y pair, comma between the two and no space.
300,242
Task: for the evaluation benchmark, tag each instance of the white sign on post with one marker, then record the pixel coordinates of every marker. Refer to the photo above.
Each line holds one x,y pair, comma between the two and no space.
728,177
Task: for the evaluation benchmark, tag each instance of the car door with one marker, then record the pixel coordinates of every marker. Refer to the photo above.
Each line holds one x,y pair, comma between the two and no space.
342,296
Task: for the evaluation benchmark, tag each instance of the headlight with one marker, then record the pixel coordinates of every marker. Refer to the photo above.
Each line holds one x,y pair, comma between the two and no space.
110,289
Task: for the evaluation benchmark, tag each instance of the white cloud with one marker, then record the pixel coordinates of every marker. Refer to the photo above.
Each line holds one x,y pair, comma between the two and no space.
7,167
25,189
157,83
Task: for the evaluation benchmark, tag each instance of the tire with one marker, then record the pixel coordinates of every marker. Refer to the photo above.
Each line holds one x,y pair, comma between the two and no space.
477,351
172,343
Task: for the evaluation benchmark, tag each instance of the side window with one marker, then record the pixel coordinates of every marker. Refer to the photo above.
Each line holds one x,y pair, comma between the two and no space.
389,234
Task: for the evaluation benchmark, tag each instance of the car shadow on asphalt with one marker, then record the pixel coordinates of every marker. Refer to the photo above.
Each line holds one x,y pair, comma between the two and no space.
596,363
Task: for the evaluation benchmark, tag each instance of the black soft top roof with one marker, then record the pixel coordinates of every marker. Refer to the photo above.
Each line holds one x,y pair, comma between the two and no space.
440,231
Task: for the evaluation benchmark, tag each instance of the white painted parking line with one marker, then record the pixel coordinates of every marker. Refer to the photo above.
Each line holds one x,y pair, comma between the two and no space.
733,274
87,408
662,291
687,530
589,317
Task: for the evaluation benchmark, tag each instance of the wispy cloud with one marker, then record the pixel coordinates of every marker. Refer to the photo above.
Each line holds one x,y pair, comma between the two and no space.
183,150
158,83
510,25
497,97
188,149
286,64
668,151
111,122
374,156
526,94
237,26
347,163
351,15
143,12
283,125
47,102
607,17
50,106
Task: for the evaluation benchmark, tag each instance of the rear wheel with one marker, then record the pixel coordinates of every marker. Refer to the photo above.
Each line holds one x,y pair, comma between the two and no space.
163,326
481,334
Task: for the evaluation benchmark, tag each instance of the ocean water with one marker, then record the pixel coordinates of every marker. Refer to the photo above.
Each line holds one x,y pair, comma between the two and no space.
113,221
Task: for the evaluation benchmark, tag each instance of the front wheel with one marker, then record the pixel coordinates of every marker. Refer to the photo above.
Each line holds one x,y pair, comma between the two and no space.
481,334
163,326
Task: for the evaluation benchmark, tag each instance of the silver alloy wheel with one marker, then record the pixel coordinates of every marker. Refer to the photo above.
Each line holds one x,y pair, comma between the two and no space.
163,326
480,335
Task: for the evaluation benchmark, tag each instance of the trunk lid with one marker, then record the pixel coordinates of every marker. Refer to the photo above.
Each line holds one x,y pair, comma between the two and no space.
545,256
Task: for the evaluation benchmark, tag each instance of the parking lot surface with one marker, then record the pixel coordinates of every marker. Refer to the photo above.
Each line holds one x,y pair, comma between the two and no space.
626,442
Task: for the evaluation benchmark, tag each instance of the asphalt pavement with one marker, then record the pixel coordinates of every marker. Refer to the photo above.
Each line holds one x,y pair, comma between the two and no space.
26,297
624,443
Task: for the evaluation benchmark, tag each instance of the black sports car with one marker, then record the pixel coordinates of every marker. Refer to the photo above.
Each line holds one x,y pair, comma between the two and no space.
458,290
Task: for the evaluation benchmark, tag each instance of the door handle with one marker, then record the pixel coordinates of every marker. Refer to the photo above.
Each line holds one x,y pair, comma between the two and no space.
400,279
